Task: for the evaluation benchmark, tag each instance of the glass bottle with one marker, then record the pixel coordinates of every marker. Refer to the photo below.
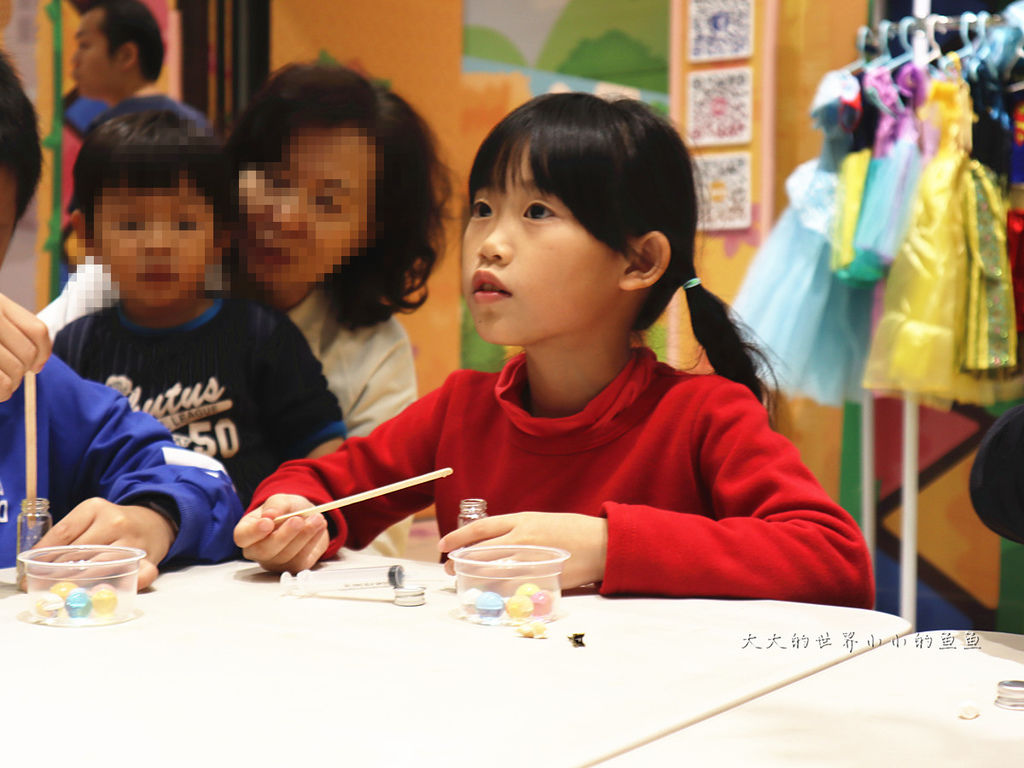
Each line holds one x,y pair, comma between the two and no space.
1010,694
34,521
470,510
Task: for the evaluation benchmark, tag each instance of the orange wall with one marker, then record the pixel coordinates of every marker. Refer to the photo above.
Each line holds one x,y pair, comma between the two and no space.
417,46
803,55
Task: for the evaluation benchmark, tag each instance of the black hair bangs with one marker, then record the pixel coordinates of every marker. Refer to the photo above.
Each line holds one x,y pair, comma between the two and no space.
574,147
153,150
166,168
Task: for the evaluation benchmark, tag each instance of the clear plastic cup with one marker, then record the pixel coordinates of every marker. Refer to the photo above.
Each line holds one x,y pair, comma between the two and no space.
508,585
81,586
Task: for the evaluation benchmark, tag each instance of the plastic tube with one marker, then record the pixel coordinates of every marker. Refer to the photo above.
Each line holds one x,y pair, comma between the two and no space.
311,582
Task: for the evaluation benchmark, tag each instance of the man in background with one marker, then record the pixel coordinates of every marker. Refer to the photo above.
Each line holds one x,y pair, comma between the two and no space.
118,59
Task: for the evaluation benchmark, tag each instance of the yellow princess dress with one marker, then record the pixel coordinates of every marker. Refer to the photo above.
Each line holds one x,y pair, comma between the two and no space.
919,344
913,346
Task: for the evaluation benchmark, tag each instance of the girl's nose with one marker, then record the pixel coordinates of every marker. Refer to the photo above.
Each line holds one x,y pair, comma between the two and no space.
495,246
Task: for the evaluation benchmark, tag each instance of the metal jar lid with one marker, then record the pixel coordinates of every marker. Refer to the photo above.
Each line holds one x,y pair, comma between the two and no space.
1010,694
410,595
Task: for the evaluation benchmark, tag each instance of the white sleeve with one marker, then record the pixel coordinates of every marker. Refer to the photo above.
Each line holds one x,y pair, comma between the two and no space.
87,290
371,372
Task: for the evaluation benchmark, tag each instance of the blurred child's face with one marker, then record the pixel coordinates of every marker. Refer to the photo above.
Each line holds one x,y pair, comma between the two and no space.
309,214
157,244
532,274
8,207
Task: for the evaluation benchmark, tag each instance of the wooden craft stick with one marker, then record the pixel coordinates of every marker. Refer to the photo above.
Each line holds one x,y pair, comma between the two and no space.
30,436
370,494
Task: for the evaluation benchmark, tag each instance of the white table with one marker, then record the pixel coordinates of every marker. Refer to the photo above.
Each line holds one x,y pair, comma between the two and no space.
222,666
897,705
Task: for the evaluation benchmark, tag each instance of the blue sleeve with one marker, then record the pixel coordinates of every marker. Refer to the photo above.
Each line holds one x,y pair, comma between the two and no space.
98,446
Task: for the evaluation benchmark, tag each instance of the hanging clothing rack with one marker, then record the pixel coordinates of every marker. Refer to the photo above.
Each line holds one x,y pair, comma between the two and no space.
929,25
921,28
935,21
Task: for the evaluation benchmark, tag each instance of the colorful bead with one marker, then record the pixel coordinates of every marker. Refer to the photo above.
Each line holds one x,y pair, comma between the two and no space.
527,589
541,603
63,588
49,606
519,607
469,598
490,605
104,600
78,604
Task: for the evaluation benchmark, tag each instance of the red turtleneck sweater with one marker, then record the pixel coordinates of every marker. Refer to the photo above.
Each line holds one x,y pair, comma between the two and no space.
702,497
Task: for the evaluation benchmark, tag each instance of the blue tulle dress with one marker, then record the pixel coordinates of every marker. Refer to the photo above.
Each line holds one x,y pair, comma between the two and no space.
813,327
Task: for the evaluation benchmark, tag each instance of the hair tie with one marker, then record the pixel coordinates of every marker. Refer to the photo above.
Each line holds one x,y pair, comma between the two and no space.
693,282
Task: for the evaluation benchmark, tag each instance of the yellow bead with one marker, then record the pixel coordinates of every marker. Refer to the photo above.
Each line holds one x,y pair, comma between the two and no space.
527,589
48,607
104,600
63,588
519,607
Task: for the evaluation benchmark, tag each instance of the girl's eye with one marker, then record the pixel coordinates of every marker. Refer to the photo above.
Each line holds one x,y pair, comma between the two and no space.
129,225
480,208
187,225
538,211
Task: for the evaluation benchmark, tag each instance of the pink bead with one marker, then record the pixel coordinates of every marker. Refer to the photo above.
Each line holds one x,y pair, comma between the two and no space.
541,603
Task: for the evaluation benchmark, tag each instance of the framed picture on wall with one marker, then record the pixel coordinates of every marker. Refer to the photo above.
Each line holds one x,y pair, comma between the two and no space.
719,106
720,30
724,184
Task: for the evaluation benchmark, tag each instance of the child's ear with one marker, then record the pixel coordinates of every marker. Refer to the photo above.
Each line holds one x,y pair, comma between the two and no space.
648,257
78,225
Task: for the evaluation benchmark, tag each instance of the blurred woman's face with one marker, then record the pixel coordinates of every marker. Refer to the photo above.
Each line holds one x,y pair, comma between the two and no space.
307,215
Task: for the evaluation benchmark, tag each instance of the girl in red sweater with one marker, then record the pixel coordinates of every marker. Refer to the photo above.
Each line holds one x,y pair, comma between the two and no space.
657,481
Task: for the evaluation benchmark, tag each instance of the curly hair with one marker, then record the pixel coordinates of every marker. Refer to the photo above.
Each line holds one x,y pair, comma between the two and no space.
390,273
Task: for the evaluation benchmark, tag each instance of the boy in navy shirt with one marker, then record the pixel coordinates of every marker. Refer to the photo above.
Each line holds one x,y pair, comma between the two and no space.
112,476
230,378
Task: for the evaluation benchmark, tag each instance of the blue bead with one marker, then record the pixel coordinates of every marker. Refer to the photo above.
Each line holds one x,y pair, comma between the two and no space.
490,605
78,604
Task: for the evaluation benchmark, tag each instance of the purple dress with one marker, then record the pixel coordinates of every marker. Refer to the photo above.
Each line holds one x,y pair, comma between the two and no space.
893,173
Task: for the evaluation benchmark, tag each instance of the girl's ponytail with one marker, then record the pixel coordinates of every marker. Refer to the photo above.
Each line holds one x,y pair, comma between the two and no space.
726,350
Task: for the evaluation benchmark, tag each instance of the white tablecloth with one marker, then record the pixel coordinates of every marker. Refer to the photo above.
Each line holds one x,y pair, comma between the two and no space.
221,666
898,705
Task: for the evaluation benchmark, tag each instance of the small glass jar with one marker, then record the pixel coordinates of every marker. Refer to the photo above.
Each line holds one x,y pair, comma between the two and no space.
470,510
34,521
1010,694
